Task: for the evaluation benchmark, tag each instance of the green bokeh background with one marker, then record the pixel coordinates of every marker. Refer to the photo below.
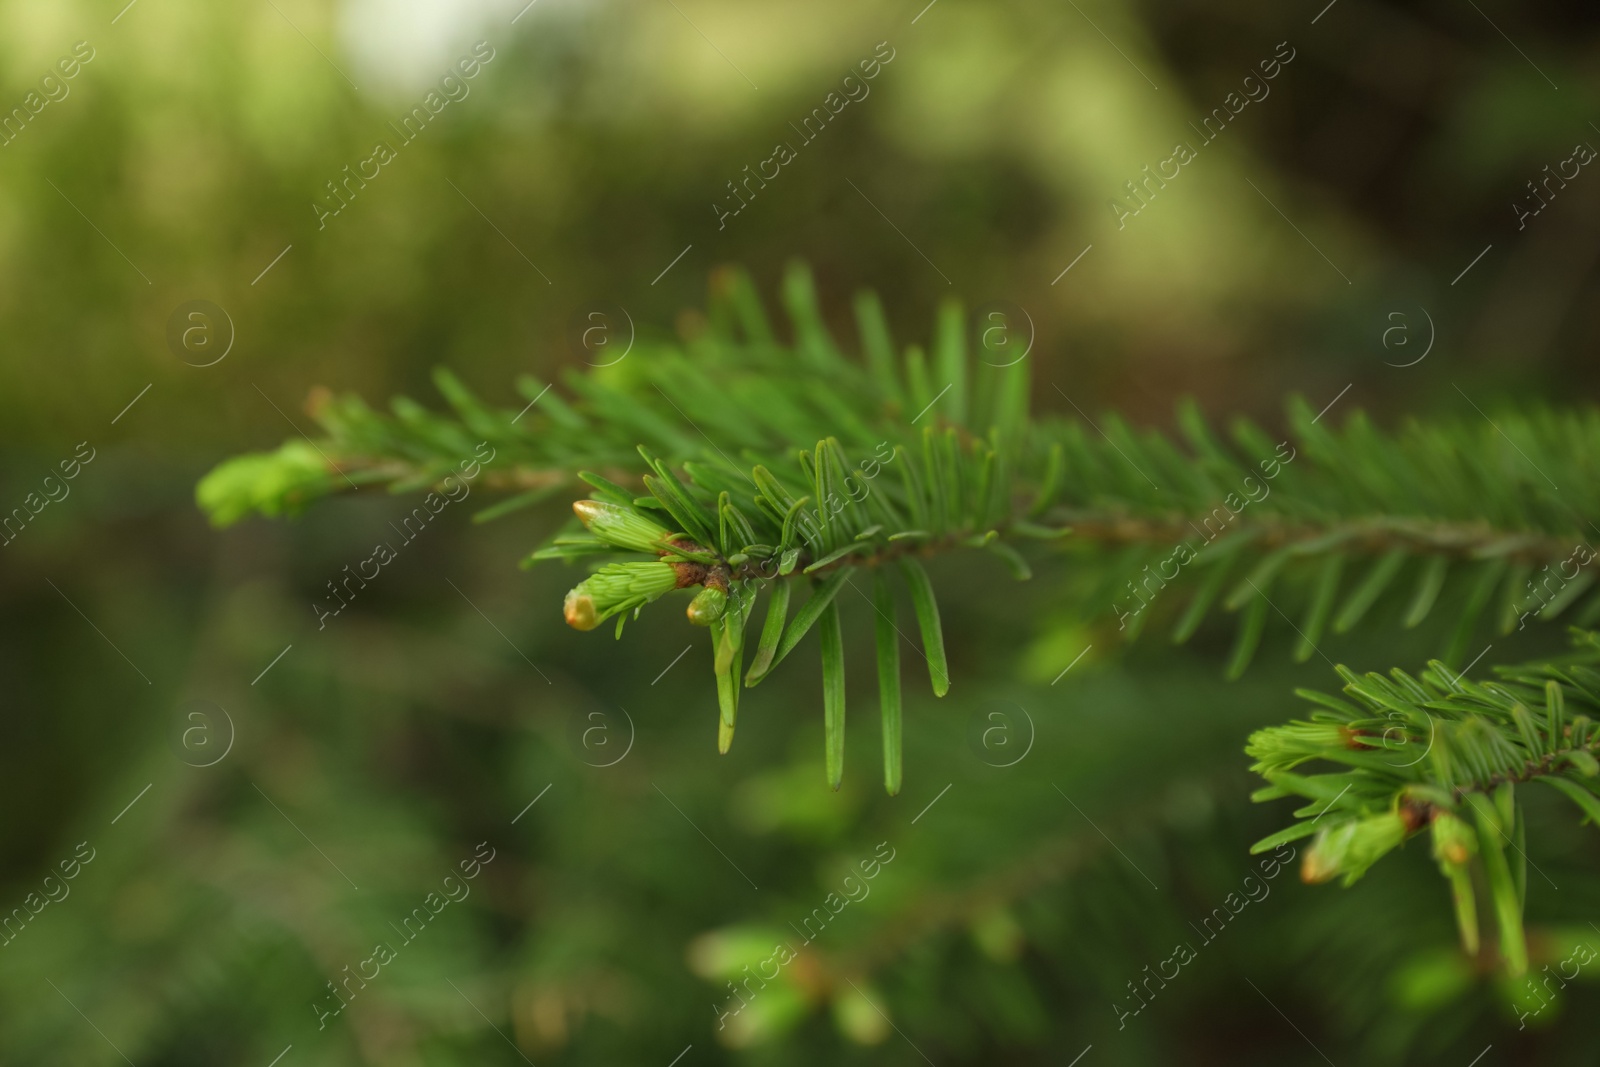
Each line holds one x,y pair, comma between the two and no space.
378,752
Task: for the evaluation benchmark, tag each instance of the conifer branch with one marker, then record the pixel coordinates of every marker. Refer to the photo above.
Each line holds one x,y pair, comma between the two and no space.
1442,753
733,464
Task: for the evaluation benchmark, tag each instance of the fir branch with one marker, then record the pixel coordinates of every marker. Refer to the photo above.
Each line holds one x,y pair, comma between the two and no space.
1440,752
752,468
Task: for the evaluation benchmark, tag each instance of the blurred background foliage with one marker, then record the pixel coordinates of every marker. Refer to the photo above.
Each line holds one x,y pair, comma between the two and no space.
186,156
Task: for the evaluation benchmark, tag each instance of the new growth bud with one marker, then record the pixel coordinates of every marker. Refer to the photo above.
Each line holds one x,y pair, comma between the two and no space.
615,588
580,610
707,606
1349,848
623,527
1454,842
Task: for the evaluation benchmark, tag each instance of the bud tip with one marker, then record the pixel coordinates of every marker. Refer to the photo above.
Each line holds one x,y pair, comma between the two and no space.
579,610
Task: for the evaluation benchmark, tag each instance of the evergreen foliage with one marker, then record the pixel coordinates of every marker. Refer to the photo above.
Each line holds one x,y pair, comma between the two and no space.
1443,753
734,463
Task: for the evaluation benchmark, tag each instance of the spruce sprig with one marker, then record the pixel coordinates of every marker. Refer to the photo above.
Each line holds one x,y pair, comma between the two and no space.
733,464
1442,753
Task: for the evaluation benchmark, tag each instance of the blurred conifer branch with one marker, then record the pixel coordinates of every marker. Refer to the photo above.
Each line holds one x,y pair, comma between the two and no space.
1439,752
